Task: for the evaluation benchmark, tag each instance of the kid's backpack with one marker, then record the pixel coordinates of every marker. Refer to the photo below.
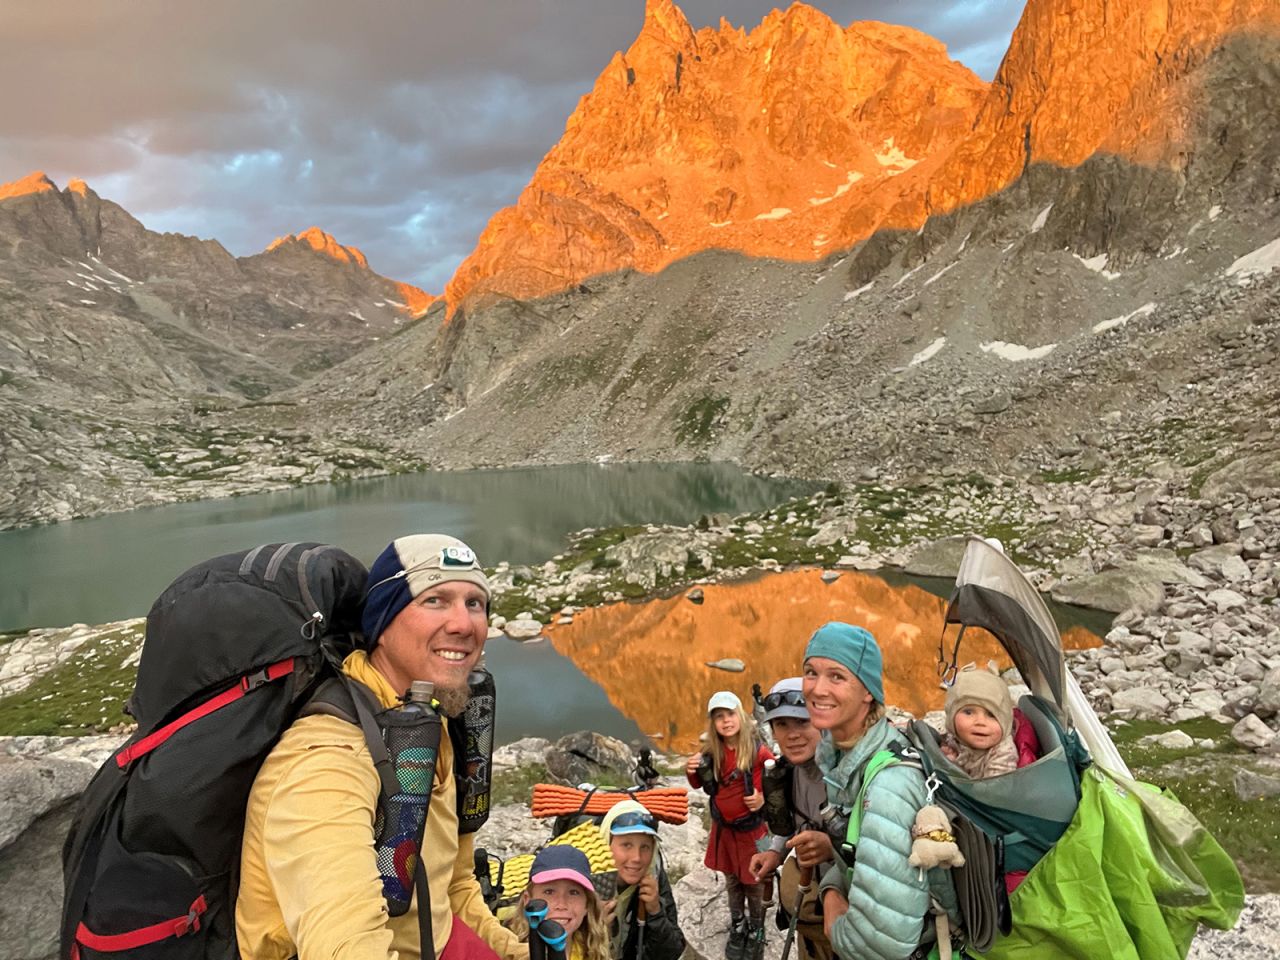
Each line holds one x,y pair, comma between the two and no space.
234,648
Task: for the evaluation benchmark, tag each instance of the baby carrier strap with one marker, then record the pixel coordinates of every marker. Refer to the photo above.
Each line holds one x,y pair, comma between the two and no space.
888,757
981,895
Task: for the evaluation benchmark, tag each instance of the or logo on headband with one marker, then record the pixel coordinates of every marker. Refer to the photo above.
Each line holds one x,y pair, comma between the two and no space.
457,557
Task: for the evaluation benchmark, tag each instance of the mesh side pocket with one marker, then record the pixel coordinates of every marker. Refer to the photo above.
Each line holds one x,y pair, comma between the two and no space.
413,742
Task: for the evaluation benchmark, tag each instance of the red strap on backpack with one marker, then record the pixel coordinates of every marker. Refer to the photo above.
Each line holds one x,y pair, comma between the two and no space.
115,942
248,683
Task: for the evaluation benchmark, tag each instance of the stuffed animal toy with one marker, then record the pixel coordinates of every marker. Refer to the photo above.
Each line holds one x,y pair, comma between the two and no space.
932,843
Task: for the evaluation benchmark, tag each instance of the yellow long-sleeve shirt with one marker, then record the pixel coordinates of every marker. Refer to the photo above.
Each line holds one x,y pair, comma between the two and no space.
309,883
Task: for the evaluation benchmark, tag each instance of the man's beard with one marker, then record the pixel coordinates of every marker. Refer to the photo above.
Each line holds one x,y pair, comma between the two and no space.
453,700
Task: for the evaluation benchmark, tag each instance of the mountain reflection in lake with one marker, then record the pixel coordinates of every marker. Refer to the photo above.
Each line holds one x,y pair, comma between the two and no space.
650,658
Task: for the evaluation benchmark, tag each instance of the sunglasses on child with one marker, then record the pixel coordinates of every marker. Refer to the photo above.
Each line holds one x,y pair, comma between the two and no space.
632,819
783,698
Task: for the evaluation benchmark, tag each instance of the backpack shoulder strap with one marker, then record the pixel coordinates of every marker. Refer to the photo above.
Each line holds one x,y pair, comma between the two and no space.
331,699
888,757
455,727
348,699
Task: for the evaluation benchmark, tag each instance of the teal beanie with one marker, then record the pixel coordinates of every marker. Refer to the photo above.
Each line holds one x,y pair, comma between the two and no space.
853,647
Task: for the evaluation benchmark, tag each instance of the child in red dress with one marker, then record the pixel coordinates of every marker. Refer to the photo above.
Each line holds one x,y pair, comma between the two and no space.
730,772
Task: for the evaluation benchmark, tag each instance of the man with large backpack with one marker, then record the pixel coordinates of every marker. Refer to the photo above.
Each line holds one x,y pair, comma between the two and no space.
314,866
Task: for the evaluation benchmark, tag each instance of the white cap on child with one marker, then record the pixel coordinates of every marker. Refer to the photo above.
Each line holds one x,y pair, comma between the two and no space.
723,700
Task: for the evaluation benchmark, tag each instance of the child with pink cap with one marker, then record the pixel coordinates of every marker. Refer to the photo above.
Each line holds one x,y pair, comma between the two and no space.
560,876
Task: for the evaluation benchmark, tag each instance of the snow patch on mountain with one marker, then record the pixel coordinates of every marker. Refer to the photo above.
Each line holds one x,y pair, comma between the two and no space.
941,272
852,177
1105,325
1016,352
1256,264
1098,264
891,155
907,276
930,351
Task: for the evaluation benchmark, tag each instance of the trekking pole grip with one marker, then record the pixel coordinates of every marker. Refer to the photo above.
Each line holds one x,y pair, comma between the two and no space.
535,911
555,940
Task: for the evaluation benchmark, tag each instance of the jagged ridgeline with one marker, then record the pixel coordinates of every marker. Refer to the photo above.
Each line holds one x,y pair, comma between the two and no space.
817,248
117,344
807,247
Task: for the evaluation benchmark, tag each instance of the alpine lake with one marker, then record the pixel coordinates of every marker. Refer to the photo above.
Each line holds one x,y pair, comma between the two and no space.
634,670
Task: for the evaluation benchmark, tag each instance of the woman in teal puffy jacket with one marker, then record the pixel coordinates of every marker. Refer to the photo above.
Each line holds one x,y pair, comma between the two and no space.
878,907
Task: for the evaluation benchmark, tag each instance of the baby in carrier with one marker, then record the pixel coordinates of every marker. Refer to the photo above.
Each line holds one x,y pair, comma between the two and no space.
985,735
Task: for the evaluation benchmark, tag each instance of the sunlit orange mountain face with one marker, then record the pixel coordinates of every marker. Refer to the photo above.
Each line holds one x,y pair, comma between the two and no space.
650,658
802,137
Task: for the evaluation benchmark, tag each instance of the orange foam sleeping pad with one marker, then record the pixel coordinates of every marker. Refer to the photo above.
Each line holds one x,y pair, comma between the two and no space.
667,804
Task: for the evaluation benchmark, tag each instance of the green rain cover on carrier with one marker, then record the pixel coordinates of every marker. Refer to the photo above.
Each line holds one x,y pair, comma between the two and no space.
1131,879
1133,872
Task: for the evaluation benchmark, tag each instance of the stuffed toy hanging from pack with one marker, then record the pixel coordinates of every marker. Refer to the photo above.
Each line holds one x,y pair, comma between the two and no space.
932,843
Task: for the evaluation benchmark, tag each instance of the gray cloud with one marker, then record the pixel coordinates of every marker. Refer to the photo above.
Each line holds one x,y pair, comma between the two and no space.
399,126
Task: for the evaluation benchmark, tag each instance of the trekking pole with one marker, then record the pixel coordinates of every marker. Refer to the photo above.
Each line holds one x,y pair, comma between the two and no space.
535,912
806,882
640,921
553,938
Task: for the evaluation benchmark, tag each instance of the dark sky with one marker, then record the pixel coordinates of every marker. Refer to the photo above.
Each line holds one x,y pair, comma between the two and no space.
399,126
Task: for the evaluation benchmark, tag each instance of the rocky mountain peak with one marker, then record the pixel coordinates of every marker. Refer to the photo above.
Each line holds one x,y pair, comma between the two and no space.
321,242
1129,62
313,240
664,21
415,299
34,182
753,141
800,138
81,189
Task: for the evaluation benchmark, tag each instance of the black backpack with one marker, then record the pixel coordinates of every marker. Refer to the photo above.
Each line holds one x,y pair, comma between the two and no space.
234,648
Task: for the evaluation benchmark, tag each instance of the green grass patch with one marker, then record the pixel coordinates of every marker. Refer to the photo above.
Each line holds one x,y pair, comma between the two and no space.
1069,475
249,388
698,422
84,695
779,545
516,786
